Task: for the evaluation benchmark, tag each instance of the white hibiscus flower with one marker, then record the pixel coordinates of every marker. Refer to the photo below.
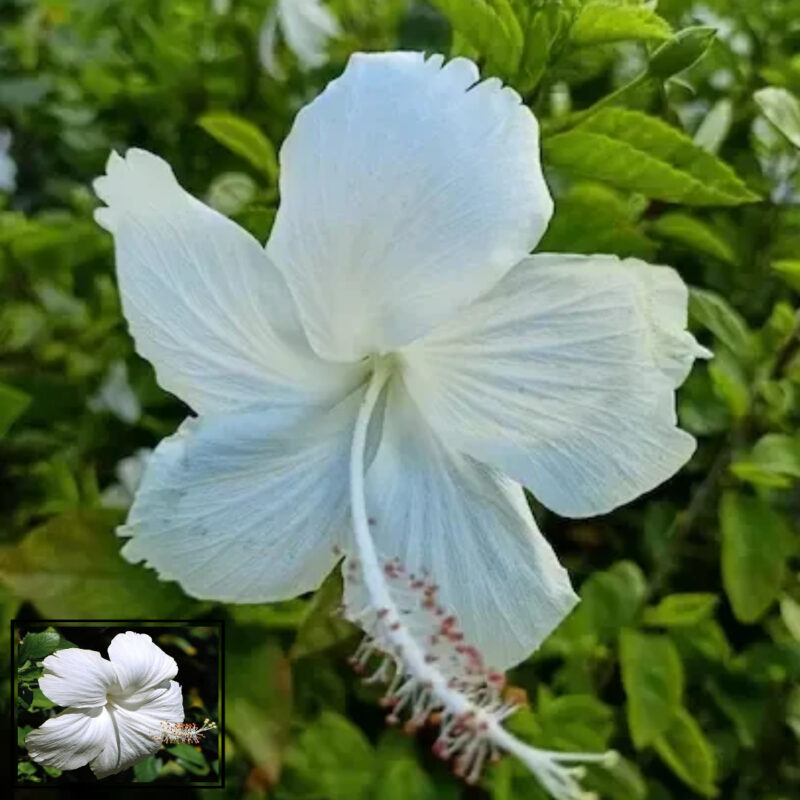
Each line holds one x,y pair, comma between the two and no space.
116,710
306,26
395,325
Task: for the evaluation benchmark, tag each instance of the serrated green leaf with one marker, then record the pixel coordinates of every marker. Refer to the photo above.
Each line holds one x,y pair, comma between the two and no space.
652,675
491,27
694,233
754,539
71,567
13,403
686,751
789,270
782,109
240,136
679,610
604,23
681,53
640,153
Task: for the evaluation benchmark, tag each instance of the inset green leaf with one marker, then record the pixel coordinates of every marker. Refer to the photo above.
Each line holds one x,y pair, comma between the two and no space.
13,403
782,109
680,610
774,462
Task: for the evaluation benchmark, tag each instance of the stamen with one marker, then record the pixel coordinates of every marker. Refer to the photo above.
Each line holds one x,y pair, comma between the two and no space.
182,732
433,674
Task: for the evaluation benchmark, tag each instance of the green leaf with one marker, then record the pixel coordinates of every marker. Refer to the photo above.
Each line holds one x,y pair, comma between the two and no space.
191,758
774,462
789,270
754,538
592,218
622,780
790,614
640,153
13,403
686,751
491,27
147,771
652,675
71,567
542,30
40,700
782,109
610,600
679,610
603,23
404,779
243,138
695,234
577,722
36,646
724,321
258,696
323,626
681,53
715,127
333,759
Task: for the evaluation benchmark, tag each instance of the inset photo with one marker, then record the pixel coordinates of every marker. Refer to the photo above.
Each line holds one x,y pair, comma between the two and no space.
118,702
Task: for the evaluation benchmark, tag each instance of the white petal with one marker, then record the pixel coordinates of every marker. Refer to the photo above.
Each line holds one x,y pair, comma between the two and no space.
563,377
407,190
245,507
472,531
78,678
134,731
203,302
307,26
139,663
71,739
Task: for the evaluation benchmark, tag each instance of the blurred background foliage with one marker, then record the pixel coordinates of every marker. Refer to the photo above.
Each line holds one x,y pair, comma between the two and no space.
196,650
685,652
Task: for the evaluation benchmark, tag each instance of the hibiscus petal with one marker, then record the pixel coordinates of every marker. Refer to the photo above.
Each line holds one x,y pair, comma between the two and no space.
563,377
71,739
407,190
78,678
245,507
135,732
471,529
203,302
139,663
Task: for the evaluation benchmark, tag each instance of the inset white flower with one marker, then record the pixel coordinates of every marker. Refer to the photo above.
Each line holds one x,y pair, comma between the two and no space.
115,708
306,25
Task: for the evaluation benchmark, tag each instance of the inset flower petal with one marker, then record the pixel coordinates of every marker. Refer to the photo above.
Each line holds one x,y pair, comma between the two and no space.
471,530
135,731
203,302
408,189
563,377
245,507
71,739
77,678
140,664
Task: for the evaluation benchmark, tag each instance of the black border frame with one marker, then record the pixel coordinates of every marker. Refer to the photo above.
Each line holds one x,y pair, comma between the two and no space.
133,623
